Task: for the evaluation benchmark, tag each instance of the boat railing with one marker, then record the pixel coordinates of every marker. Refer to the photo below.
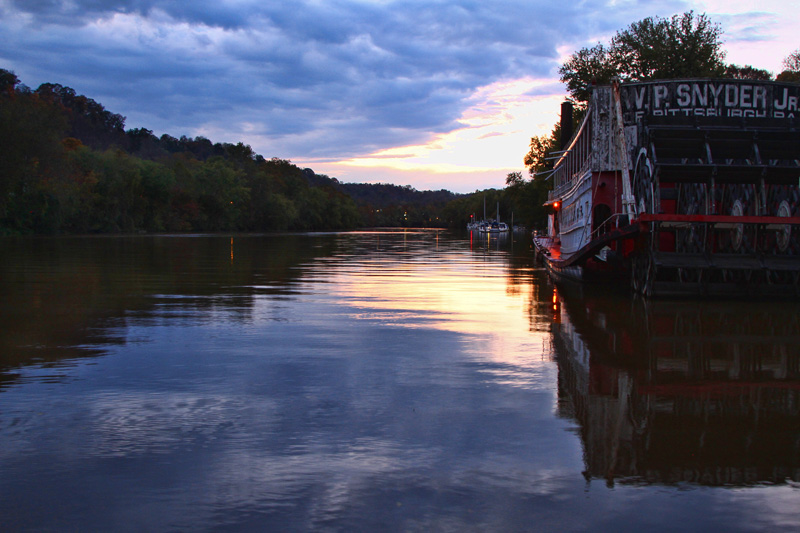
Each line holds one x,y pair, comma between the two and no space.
567,185
574,161
616,220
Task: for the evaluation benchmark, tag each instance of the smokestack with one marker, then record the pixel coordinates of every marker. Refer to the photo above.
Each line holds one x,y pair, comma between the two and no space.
566,123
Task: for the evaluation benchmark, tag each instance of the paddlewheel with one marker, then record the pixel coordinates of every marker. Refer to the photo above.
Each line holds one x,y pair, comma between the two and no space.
718,208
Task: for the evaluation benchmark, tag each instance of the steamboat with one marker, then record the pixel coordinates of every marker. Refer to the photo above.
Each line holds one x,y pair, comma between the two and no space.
680,187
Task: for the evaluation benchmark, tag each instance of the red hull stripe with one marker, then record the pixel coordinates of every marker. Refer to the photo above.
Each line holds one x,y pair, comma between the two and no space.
719,219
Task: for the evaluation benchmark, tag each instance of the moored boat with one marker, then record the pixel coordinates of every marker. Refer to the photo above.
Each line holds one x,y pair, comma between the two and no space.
681,186
490,225
494,226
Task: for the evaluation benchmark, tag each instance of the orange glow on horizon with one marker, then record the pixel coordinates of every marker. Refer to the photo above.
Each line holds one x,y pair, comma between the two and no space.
495,133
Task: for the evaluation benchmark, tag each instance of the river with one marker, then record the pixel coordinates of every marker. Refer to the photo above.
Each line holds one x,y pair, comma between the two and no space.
403,380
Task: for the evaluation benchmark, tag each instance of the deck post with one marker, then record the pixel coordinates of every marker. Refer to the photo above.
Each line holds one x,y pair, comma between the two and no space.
622,147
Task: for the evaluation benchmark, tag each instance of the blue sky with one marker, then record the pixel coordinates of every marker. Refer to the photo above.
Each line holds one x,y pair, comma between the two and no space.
434,94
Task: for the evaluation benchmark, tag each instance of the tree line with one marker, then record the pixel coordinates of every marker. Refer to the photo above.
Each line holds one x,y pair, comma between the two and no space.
68,165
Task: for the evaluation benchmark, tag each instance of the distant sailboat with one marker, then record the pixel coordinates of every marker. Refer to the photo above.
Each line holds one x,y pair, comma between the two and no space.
493,226
476,225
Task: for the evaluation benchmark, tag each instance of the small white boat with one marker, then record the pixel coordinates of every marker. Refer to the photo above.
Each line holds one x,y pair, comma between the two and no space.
493,226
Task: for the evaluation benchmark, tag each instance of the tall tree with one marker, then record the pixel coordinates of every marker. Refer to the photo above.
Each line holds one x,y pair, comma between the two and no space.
792,61
686,45
587,67
792,68
537,158
8,81
747,72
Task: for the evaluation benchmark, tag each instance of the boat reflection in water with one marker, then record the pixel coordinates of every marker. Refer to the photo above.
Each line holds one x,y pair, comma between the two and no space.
681,391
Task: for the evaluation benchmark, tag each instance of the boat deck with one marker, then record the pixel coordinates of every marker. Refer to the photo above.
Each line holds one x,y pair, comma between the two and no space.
548,246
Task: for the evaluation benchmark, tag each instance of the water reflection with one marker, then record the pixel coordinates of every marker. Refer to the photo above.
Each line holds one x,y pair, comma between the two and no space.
66,298
367,381
681,391
73,297
490,241
374,381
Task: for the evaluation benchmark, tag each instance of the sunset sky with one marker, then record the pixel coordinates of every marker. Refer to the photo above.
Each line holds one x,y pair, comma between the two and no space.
432,94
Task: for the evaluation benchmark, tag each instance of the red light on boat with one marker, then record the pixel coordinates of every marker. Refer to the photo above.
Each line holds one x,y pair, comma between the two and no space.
555,205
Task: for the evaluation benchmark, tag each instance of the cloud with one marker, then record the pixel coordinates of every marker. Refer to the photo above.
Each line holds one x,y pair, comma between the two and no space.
305,80
752,26
758,35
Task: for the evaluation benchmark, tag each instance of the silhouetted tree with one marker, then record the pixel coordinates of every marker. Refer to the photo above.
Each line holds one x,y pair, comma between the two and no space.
791,65
747,72
654,48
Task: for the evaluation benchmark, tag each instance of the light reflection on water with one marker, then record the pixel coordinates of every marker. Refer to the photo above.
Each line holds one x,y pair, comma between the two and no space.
363,381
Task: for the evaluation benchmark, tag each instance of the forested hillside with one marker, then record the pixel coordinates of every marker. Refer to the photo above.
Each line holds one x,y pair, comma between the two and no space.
385,204
69,166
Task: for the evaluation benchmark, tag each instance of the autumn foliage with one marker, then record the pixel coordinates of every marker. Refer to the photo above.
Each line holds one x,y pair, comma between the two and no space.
69,166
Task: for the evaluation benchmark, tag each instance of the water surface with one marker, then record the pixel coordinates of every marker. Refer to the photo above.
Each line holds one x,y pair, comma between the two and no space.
393,380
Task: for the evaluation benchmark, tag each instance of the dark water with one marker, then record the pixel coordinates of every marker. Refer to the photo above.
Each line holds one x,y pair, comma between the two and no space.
379,381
